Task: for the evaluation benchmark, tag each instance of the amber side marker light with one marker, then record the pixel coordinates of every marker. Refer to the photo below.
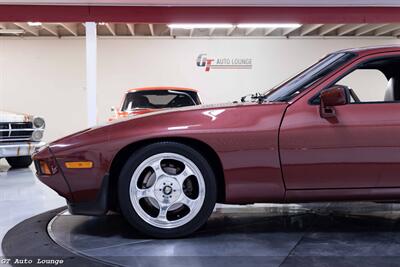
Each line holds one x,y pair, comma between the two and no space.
44,168
79,164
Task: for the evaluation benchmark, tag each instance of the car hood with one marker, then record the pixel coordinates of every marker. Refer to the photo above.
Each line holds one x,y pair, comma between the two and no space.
168,122
6,116
202,107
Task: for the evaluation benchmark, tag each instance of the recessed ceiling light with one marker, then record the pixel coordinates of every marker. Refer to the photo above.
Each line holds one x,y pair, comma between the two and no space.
200,26
34,24
269,25
11,31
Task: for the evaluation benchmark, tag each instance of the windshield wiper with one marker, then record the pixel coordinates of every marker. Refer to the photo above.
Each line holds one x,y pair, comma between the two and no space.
256,96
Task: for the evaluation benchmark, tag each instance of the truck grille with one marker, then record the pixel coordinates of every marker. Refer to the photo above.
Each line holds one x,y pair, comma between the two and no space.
15,131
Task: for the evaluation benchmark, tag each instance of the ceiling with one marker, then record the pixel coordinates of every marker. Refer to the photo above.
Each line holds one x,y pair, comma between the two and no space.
19,29
210,2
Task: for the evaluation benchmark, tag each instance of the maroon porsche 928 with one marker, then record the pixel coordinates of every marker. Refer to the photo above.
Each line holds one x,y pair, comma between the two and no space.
320,136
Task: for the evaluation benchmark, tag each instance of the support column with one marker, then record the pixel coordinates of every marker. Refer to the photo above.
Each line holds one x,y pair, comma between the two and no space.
91,73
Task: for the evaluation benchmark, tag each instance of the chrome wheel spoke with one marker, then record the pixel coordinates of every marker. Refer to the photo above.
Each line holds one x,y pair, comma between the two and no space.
156,166
183,175
190,203
162,215
147,192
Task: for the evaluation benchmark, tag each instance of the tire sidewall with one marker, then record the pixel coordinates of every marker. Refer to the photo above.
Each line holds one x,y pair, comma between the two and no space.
19,162
166,147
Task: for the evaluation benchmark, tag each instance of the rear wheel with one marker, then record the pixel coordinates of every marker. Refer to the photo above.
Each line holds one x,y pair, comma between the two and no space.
19,162
167,190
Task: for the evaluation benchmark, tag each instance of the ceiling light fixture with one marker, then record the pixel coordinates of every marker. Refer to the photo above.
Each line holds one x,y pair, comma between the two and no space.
200,26
269,25
11,31
34,24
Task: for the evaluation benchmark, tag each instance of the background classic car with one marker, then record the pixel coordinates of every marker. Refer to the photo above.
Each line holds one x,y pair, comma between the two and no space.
147,99
20,135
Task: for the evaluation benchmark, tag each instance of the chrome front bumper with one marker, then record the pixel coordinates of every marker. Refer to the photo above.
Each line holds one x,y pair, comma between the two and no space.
19,149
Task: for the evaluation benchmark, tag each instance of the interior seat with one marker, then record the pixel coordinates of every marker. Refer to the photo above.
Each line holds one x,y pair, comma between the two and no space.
393,90
141,102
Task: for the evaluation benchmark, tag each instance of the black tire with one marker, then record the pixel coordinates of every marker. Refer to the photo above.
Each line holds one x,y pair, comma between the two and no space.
164,147
19,162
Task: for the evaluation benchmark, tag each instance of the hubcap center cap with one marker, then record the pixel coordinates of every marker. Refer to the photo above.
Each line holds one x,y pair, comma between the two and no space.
167,190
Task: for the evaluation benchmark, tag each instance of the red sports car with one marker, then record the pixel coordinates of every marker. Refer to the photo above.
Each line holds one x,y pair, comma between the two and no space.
312,138
148,99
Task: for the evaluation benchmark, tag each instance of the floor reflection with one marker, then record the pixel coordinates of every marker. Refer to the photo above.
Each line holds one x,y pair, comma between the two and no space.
331,234
22,196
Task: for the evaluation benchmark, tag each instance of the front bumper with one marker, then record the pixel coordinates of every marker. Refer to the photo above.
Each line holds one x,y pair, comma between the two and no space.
19,149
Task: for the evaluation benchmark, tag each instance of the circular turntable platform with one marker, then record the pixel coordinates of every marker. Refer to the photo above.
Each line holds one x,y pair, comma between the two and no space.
327,234
364,234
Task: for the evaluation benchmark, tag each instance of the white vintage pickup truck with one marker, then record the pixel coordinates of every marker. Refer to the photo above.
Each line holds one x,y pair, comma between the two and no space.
20,135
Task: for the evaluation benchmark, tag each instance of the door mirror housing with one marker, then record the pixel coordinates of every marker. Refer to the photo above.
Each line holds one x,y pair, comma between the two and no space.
331,97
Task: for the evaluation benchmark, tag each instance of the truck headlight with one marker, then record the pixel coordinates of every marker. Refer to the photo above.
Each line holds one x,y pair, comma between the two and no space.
37,135
38,122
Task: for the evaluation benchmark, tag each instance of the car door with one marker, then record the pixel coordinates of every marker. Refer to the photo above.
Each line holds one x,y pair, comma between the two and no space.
358,148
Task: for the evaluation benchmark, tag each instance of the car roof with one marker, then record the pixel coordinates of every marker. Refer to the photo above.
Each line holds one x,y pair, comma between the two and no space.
371,49
162,88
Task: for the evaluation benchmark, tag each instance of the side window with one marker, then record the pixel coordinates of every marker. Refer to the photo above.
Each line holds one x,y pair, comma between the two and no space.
376,80
365,85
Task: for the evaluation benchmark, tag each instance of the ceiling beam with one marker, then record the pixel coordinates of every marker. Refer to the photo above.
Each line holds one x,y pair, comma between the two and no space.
151,27
348,28
306,29
111,28
268,31
396,33
386,29
72,28
27,28
288,31
50,28
328,28
212,30
230,31
131,28
368,28
249,31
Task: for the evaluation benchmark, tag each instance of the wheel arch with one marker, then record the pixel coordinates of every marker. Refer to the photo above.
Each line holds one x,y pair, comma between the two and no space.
124,153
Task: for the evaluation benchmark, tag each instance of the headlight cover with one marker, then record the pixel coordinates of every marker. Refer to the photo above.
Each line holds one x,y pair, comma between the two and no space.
38,122
37,135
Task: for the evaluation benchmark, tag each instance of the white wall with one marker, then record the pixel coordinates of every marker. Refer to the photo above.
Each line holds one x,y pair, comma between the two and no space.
46,76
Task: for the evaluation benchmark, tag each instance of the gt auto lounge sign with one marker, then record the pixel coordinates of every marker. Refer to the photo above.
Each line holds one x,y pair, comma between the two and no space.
223,63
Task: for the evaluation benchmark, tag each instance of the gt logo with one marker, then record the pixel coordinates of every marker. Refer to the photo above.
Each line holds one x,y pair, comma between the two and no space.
202,61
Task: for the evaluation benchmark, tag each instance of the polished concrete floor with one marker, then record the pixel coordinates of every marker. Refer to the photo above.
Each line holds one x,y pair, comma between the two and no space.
22,196
321,234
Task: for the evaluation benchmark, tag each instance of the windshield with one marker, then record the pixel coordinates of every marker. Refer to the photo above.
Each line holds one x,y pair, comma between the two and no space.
156,99
292,87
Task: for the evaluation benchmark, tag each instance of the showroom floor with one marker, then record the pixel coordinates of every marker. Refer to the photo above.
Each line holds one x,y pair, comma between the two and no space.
328,234
22,196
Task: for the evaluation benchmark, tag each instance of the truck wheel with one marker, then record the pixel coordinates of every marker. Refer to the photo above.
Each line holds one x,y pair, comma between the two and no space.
167,190
19,162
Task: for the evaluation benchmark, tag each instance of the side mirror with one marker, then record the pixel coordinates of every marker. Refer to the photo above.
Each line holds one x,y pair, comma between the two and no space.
331,97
